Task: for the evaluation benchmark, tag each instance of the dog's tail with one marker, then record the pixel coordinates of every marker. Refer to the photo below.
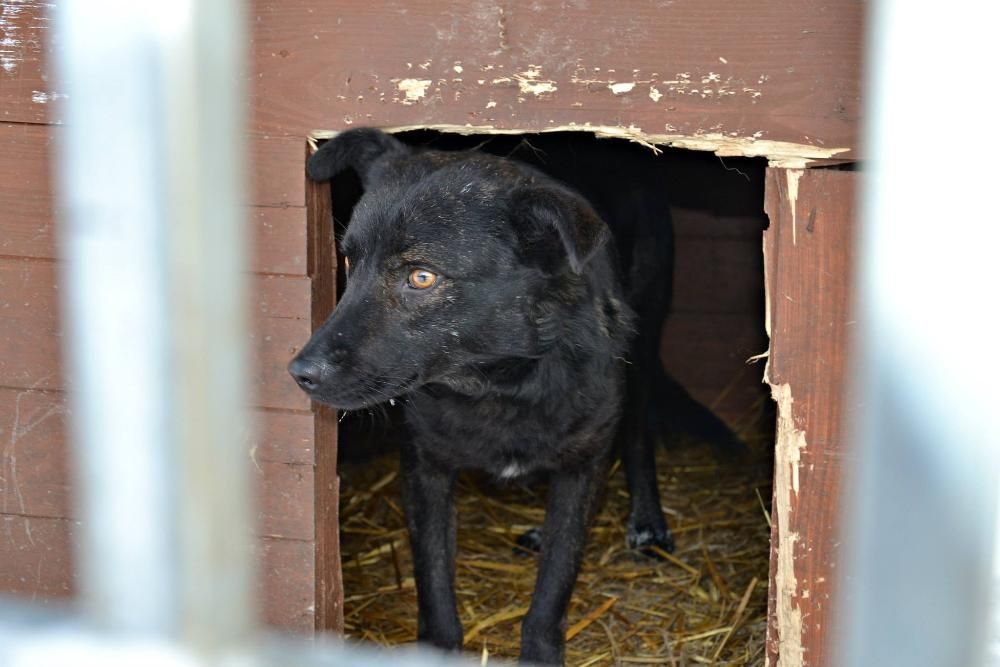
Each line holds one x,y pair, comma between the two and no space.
358,149
673,413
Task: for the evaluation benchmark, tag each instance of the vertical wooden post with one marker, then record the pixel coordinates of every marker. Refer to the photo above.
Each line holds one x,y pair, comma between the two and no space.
808,252
323,273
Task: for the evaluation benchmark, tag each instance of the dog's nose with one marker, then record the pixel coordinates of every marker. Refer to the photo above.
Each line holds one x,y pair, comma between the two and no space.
306,373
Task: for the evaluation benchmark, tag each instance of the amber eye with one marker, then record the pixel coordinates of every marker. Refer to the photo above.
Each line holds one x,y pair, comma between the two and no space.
421,279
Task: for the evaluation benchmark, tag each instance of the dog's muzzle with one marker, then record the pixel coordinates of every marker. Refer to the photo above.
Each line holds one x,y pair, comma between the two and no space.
312,373
308,374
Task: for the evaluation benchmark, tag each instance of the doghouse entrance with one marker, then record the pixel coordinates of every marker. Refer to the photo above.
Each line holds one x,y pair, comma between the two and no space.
704,604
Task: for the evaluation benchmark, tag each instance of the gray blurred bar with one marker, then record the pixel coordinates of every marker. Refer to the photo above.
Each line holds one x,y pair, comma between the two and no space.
919,527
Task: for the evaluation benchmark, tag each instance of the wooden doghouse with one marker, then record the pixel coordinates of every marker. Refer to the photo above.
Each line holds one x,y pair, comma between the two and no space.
767,80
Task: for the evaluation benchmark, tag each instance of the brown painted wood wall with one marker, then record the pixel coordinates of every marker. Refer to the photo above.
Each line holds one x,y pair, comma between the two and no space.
754,76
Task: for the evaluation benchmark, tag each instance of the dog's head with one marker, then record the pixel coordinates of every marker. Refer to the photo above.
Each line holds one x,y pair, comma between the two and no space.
454,261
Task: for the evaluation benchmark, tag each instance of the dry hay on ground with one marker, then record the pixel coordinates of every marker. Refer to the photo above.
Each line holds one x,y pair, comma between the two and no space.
705,604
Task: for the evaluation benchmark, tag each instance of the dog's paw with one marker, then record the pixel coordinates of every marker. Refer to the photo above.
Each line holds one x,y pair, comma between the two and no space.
529,543
648,541
542,645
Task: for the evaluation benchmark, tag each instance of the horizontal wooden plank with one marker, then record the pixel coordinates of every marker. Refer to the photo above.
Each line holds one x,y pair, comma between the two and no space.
35,481
37,558
30,334
274,343
279,240
38,565
34,473
790,73
278,179
757,71
287,588
284,297
277,225
284,437
285,501
277,169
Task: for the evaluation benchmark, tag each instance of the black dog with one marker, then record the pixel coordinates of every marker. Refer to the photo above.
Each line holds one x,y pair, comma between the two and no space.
492,297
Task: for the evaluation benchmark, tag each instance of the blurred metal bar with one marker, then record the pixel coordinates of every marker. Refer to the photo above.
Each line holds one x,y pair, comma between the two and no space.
151,182
32,637
920,526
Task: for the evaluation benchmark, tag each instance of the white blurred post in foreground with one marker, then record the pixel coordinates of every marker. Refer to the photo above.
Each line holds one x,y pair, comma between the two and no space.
919,525
151,181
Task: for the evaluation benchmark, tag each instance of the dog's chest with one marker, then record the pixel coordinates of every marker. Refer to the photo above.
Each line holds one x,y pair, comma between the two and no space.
506,438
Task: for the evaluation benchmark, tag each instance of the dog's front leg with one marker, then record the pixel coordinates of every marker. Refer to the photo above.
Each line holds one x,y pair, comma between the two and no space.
430,521
572,497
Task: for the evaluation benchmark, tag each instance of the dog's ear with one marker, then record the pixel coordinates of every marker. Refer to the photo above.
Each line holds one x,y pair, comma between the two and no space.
539,209
356,149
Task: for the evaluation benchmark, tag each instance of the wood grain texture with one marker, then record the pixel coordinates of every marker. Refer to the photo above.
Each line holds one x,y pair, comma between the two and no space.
787,72
809,253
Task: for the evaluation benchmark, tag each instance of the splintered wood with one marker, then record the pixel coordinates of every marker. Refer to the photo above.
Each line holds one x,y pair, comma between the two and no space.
704,604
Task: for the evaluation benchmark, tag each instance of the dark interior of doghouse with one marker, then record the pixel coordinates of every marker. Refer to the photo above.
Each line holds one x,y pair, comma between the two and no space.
704,604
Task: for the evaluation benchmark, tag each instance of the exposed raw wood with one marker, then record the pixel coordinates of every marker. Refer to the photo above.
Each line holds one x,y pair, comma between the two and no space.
778,153
790,442
808,285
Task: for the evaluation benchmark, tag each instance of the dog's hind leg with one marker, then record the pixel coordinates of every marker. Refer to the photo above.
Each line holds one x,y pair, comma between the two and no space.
646,525
430,520
571,502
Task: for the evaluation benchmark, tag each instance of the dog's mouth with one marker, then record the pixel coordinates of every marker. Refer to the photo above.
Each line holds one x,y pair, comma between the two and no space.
364,393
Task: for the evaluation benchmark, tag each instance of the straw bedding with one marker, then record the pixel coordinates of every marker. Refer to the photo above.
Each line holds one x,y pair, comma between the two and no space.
703,605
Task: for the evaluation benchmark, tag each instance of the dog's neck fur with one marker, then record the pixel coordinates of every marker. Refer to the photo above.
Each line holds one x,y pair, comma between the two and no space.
562,361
